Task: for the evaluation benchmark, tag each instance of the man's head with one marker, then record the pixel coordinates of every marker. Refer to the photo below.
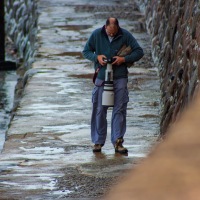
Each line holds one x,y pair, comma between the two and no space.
112,26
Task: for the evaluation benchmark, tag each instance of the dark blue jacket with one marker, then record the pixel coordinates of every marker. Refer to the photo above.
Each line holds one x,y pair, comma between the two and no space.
99,44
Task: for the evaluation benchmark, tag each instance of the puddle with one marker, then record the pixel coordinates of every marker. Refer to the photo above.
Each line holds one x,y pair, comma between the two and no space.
44,150
75,27
64,128
86,76
74,54
63,192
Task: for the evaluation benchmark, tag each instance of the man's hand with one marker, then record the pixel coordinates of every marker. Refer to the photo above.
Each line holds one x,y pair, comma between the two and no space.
101,58
118,60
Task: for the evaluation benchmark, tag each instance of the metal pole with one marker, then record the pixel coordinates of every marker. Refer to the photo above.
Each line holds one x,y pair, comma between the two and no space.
2,31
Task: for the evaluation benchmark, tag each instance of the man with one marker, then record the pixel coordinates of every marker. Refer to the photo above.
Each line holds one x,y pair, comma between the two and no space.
105,43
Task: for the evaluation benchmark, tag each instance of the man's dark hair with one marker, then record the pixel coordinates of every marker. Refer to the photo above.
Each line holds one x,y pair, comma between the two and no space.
116,22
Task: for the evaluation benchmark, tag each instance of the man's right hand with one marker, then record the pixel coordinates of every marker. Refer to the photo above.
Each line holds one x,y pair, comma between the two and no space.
101,58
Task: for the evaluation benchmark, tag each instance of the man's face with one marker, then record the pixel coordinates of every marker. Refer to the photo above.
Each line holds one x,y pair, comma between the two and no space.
111,30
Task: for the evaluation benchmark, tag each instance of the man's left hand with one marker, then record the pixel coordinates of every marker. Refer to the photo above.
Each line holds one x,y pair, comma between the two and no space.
118,60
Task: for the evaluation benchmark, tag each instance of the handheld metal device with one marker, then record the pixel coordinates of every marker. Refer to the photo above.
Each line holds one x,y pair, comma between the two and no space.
108,91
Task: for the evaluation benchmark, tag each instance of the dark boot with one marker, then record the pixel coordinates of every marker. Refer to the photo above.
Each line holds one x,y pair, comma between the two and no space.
97,148
119,147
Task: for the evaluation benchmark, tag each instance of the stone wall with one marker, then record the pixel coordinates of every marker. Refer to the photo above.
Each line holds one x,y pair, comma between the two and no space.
21,26
175,27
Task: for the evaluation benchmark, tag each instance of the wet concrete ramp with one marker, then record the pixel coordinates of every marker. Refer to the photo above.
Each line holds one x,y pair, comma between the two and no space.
48,152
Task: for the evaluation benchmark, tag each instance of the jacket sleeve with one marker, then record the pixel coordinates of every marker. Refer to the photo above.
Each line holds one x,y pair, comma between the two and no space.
89,49
137,51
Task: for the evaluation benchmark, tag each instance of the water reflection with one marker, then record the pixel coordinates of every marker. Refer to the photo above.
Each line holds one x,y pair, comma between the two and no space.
102,156
99,156
8,81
